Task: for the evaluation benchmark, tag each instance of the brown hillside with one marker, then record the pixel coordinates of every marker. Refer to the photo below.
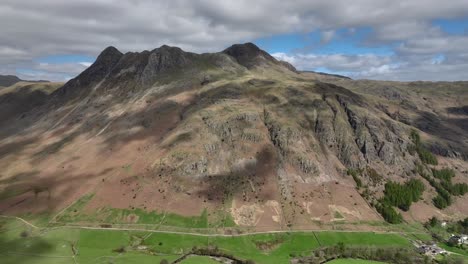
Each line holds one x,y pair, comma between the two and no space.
237,133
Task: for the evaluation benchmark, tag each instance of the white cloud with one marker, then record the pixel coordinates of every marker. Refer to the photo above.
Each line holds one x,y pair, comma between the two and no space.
335,62
392,67
86,64
327,36
34,29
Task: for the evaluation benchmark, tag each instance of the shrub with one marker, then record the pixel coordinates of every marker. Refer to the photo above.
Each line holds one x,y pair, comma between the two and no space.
433,222
425,155
120,249
445,174
164,261
24,234
440,202
459,189
354,174
414,136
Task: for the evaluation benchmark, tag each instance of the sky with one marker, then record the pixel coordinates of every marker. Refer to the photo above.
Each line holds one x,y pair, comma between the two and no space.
364,39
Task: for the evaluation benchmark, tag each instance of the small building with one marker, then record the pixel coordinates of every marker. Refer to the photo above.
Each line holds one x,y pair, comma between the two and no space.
458,239
431,250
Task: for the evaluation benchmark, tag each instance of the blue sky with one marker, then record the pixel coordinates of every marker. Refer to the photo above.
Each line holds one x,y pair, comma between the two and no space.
344,41
375,39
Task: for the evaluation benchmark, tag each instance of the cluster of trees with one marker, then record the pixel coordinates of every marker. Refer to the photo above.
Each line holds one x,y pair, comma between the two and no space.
442,182
212,251
445,176
387,254
424,154
403,195
433,222
443,198
389,213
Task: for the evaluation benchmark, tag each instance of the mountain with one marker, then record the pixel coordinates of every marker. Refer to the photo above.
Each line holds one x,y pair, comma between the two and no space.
8,80
20,98
237,138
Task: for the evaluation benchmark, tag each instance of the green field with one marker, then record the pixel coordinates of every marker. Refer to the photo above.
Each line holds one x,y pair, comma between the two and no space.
457,250
353,261
21,243
199,260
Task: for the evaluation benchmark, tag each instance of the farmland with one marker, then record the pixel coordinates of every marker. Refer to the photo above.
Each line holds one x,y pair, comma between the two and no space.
21,242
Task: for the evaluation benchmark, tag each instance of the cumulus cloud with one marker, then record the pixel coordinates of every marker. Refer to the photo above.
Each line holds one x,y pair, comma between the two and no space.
357,66
32,29
390,67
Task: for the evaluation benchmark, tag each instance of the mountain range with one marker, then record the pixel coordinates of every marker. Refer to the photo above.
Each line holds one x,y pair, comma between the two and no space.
237,136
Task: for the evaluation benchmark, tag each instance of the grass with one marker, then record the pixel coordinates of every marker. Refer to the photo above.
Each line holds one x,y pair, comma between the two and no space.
457,250
75,213
337,215
361,239
422,236
199,260
353,261
57,245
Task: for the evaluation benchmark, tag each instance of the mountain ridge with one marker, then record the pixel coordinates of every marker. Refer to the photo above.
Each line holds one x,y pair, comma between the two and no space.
9,80
237,134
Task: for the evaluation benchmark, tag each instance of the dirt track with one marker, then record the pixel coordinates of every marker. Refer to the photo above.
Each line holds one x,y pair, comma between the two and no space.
211,235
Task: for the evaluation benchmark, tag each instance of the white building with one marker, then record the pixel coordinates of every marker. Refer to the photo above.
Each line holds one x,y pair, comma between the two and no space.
458,239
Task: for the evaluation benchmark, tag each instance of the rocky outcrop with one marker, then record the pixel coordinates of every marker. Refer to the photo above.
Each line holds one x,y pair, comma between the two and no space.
251,56
288,66
96,73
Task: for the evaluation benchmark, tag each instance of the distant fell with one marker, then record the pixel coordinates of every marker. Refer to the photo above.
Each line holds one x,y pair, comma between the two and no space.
9,80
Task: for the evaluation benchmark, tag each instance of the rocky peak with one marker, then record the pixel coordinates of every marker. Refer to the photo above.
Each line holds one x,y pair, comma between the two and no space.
106,60
249,55
103,65
166,57
139,70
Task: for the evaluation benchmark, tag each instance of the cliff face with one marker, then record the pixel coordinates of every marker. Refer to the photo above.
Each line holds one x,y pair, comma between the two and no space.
237,133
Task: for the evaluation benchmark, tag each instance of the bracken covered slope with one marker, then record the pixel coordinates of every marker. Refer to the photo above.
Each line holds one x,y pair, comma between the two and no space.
231,135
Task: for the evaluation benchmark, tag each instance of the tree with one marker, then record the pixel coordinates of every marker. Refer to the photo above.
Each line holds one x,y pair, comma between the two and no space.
164,261
440,202
389,214
402,195
433,222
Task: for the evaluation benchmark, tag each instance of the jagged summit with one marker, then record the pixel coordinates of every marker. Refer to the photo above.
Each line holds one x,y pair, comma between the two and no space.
138,70
249,55
109,52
